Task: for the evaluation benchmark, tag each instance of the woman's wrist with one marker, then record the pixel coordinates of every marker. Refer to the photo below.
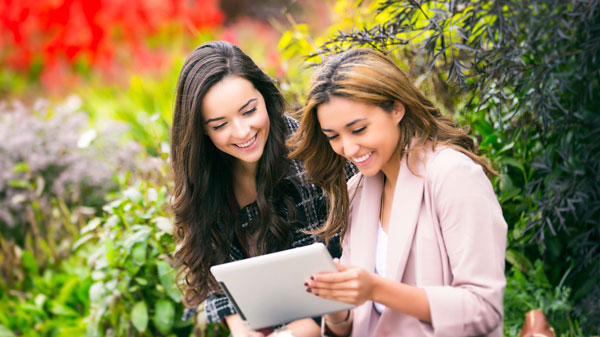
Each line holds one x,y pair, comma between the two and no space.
340,327
338,322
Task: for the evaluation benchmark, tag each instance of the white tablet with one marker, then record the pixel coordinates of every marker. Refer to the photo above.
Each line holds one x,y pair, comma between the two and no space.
269,290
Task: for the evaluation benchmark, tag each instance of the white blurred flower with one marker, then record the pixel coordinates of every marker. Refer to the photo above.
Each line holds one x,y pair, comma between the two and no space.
165,148
72,104
164,224
86,138
152,194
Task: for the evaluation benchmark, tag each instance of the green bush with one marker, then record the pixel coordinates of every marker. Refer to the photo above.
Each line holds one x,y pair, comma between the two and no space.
118,281
133,279
55,172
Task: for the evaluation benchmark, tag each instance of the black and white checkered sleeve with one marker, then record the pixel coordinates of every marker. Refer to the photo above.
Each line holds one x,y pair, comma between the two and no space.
217,307
291,124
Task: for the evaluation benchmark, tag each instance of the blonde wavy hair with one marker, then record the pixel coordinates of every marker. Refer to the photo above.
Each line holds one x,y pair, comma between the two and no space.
367,76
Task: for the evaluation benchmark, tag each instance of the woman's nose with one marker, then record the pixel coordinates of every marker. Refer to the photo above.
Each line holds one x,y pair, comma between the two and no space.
241,129
350,147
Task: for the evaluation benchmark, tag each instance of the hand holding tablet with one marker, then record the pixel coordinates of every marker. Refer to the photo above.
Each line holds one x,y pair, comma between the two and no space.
269,290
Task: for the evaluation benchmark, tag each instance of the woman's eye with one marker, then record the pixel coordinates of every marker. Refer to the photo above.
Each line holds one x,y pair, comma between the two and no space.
359,130
249,111
329,138
219,126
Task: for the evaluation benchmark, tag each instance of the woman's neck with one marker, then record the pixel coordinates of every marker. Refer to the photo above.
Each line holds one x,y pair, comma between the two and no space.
390,170
244,183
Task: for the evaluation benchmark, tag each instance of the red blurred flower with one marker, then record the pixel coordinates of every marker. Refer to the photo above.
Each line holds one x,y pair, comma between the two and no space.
69,31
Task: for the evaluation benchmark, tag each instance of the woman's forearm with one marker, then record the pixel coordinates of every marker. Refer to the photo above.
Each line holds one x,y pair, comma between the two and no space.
238,327
403,298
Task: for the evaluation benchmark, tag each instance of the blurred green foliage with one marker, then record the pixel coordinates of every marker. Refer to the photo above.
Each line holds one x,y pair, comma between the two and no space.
106,271
133,278
118,280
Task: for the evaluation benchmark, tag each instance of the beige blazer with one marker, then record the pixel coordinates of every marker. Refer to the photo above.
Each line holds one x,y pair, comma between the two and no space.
447,235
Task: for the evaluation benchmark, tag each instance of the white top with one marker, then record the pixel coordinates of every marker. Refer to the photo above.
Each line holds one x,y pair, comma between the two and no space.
381,260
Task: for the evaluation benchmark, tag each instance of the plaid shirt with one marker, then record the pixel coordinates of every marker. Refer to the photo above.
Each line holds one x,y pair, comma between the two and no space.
311,213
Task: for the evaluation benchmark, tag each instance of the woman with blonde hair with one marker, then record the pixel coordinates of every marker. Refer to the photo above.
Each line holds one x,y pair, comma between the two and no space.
424,238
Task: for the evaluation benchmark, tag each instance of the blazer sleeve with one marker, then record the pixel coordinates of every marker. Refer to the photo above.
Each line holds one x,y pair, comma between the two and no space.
474,235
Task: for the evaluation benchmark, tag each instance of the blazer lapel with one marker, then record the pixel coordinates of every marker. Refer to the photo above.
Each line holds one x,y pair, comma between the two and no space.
363,241
364,229
408,196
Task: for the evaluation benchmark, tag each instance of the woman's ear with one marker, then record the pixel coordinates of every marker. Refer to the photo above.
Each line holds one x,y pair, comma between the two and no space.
398,112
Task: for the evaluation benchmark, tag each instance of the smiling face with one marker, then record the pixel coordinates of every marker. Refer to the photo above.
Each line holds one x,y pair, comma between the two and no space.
235,118
363,133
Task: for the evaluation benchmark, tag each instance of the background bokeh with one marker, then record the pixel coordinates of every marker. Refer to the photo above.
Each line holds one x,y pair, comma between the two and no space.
86,98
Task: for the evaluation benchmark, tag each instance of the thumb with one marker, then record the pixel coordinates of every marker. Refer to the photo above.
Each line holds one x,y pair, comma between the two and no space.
339,265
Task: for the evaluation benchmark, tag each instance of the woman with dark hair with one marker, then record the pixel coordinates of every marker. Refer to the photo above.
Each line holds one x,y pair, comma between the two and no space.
423,234
236,193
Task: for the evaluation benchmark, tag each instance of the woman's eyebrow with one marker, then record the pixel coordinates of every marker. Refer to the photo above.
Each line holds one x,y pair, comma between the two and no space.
245,105
347,125
355,121
214,119
240,109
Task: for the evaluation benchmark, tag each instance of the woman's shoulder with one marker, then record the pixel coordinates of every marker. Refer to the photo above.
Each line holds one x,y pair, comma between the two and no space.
445,160
443,157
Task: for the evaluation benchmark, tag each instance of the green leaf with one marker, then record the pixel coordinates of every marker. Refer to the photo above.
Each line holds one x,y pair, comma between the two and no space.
139,253
67,290
512,162
139,316
166,274
4,332
29,262
139,236
82,240
141,281
519,260
164,316
21,167
20,184
63,310
91,225
111,253
174,294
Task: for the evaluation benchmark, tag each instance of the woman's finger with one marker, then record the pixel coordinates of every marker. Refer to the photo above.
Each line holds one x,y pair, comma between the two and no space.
338,293
346,297
335,277
346,285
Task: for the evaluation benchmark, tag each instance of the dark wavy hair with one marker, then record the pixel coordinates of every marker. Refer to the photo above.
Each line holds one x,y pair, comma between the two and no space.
205,224
367,76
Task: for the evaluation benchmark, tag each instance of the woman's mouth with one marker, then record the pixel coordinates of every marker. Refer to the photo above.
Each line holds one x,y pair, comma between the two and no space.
248,143
362,159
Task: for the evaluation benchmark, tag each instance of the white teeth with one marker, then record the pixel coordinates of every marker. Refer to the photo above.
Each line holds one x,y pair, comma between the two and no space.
362,158
246,144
